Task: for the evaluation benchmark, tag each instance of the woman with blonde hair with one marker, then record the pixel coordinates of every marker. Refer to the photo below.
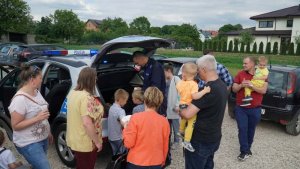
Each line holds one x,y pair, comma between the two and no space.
147,134
84,132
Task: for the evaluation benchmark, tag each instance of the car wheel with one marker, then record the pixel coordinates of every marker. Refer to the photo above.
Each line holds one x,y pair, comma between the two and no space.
64,152
6,127
293,127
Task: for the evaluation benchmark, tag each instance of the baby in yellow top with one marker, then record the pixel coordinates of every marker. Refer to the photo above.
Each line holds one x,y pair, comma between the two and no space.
259,78
188,90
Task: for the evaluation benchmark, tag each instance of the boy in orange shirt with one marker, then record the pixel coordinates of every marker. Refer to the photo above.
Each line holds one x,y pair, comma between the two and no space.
188,90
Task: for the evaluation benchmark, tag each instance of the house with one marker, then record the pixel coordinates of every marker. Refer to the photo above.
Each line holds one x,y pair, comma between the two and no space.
204,35
92,24
280,26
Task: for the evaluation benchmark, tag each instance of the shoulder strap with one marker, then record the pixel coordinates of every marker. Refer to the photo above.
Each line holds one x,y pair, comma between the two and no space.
26,97
2,150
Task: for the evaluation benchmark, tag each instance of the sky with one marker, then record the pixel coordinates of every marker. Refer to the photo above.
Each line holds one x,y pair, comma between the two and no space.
206,14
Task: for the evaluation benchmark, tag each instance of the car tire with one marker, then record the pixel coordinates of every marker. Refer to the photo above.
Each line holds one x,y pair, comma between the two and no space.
293,127
6,127
64,152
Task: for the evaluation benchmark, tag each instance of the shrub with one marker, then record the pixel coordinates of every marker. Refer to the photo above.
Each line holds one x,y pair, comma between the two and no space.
219,48
236,46
248,48
275,48
254,49
298,49
261,48
291,49
268,48
209,44
214,45
224,46
242,50
283,49
230,46
205,45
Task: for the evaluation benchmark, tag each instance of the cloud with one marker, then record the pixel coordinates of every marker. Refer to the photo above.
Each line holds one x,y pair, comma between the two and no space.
205,14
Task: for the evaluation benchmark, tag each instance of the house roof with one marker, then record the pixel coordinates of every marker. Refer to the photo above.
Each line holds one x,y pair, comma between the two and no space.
282,13
95,21
261,33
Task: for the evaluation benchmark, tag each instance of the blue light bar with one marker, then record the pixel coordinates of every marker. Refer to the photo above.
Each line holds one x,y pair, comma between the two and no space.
70,52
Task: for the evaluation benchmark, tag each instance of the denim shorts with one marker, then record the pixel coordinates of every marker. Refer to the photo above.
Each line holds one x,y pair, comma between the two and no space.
36,154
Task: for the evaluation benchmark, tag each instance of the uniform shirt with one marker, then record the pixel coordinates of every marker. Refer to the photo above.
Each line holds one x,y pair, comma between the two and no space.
115,114
223,73
29,109
207,128
185,90
6,158
147,138
81,103
257,97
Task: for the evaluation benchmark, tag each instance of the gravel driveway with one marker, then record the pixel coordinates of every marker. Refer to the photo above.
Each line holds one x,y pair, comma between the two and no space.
272,149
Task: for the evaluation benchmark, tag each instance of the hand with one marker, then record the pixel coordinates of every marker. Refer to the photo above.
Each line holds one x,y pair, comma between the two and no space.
176,109
42,116
206,89
99,147
50,138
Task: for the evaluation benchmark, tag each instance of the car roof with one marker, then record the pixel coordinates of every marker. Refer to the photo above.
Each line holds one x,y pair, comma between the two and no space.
285,68
71,60
180,59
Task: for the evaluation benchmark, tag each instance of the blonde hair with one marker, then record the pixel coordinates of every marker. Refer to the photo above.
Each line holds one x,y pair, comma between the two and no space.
153,97
121,94
190,68
262,58
138,94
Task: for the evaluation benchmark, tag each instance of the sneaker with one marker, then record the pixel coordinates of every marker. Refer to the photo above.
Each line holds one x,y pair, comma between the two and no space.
247,98
249,153
243,156
180,135
188,146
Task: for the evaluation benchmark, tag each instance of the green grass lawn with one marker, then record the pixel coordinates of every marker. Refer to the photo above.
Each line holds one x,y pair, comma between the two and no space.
233,61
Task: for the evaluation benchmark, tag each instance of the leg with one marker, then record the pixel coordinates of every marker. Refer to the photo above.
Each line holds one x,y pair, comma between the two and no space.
189,129
85,160
117,147
35,155
182,125
175,125
254,116
242,122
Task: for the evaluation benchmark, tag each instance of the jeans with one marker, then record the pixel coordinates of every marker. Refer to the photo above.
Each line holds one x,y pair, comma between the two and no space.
247,119
36,154
117,147
174,125
132,166
202,157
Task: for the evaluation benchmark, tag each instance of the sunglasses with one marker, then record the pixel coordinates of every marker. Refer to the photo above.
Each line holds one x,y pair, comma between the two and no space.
35,70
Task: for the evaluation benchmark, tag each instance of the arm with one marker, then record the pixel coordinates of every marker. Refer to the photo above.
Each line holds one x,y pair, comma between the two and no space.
225,75
130,134
261,78
261,90
189,112
91,131
236,87
15,165
200,94
18,121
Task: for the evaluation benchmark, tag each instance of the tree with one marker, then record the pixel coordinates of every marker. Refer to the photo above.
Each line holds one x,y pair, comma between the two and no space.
67,25
261,48
246,37
155,30
219,49
169,29
254,49
236,45
140,25
283,48
228,28
115,27
242,50
205,46
230,46
15,16
298,49
291,49
275,48
224,46
248,48
214,45
209,44
268,48
44,27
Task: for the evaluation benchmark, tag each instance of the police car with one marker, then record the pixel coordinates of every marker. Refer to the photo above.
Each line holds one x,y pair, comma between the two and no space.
60,70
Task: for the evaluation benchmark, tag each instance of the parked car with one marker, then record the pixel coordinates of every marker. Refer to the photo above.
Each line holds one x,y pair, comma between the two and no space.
281,103
10,44
32,51
115,70
7,53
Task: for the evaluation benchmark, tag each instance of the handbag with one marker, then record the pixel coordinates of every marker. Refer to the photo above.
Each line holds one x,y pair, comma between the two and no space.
118,161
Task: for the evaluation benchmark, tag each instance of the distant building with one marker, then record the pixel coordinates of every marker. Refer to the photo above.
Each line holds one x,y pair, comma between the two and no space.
207,34
93,24
281,26
17,37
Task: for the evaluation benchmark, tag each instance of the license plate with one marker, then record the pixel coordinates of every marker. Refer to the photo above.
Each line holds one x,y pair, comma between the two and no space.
263,111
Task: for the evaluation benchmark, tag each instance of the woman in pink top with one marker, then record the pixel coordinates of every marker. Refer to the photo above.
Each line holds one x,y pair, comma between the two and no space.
147,134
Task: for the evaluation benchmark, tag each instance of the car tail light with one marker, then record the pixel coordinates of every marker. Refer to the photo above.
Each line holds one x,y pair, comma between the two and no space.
291,83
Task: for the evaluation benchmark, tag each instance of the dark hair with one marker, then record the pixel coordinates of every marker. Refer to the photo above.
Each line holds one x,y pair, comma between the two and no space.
169,66
139,53
87,80
2,137
28,72
207,51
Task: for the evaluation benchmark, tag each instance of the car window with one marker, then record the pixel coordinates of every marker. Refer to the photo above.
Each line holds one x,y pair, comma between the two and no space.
277,81
5,49
13,80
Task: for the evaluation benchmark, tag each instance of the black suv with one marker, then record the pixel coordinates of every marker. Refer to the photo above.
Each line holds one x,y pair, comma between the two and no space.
281,103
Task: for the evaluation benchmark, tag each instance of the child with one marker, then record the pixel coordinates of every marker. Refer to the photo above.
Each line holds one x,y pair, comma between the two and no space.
115,114
7,159
138,100
188,90
259,78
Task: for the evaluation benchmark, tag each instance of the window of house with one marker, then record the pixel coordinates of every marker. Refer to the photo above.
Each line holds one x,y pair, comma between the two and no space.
265,24
289,23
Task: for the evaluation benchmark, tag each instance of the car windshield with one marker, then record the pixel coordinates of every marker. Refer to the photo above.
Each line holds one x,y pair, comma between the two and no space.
5,49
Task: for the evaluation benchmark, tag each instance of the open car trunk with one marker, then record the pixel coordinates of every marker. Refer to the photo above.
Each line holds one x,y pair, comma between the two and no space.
109,80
